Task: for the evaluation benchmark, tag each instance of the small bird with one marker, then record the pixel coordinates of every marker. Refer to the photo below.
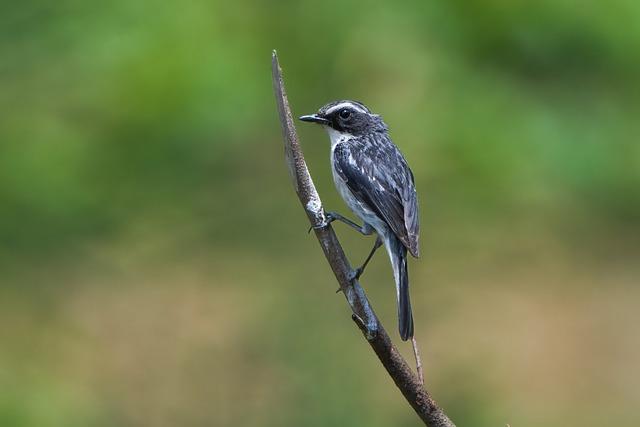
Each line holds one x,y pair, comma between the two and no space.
375,181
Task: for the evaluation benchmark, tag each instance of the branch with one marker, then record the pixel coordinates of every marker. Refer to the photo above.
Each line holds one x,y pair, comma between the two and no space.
363,315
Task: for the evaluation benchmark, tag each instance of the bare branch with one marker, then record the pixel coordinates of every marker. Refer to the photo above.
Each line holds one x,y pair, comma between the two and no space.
363,315
416,354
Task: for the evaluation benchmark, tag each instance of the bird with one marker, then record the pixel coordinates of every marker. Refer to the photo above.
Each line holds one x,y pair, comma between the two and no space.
376,183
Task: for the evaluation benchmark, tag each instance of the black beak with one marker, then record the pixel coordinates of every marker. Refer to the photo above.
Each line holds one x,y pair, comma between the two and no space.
314,118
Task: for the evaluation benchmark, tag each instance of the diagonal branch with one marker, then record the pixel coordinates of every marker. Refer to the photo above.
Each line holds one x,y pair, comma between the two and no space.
363,315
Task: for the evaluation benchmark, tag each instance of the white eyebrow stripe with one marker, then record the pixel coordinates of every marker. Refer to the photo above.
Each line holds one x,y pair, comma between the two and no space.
344,105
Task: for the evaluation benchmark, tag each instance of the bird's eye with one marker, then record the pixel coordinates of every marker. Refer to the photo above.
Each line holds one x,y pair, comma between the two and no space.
345,114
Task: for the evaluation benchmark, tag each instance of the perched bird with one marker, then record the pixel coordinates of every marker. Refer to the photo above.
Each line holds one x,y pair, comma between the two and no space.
375,181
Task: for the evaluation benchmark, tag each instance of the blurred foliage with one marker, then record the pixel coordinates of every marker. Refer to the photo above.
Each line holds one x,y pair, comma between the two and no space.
156,269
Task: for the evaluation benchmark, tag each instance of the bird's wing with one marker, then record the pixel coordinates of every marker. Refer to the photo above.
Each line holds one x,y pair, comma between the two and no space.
378,176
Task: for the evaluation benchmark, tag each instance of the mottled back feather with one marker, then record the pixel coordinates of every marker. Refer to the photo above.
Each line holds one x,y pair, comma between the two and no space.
378,176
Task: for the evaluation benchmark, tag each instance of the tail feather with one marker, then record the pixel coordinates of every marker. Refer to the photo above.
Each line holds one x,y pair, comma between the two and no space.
398,254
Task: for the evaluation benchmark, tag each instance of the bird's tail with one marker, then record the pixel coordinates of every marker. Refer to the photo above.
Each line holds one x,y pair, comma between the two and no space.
398,255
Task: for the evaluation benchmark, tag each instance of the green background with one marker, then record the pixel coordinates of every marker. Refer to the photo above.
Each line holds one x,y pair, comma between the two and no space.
155,268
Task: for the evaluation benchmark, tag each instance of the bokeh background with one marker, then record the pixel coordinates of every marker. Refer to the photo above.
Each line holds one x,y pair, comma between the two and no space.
155,268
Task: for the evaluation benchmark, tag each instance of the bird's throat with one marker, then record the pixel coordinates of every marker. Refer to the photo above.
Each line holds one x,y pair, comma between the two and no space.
337,136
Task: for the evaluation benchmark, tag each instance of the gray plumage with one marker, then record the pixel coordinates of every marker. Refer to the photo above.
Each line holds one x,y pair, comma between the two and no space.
374,179
377,174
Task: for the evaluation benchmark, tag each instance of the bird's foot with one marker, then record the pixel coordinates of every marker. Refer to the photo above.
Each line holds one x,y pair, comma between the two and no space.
329,218
352,276
355,274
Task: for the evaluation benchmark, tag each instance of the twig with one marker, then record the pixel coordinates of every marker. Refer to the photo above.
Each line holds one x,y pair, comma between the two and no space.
363,315
416,353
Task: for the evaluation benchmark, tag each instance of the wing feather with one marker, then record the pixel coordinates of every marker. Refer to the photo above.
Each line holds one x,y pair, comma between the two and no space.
378,176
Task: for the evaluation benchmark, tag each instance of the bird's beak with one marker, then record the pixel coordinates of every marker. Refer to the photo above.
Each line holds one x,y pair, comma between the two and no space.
314,118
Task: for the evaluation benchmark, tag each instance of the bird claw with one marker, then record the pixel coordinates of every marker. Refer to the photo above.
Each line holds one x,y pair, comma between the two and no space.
329,218
354,274
318,227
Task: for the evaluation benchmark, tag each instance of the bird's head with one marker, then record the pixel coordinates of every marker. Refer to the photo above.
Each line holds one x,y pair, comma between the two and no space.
347,117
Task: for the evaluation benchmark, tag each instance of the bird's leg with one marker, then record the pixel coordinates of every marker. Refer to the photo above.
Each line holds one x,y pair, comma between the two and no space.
355,274
366,229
